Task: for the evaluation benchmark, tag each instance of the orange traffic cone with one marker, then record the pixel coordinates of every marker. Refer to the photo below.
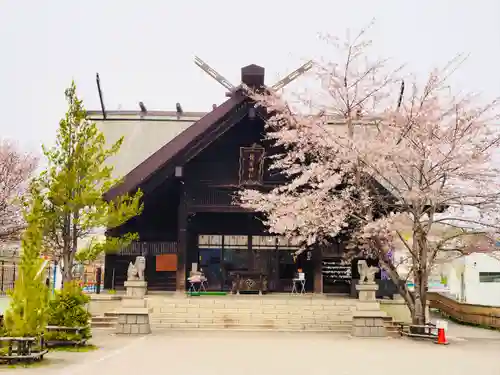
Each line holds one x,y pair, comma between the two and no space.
441,339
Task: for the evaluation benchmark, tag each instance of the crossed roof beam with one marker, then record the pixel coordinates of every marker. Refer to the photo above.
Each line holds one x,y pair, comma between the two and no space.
232,88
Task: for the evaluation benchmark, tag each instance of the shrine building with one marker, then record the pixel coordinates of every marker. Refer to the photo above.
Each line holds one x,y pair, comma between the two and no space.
190,166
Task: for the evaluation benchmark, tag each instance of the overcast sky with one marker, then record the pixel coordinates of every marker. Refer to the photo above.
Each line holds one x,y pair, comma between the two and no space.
144,50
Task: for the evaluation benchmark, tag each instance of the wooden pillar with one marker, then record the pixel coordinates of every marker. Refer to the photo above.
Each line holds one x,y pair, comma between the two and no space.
318,271
180,283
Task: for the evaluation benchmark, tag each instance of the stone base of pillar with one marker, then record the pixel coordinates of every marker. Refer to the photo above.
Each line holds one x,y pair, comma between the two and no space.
367,292
368,320
133,315
133,321
369,324
136,288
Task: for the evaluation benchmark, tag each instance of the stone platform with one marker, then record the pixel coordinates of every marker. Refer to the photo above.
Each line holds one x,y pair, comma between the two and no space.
133,321
273,312
133,314
368,320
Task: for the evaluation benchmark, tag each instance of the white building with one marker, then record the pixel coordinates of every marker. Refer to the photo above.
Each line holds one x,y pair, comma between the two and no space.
474,279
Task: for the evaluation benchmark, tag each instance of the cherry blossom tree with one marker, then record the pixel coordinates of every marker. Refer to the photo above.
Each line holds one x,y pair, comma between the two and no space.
16,168
372,155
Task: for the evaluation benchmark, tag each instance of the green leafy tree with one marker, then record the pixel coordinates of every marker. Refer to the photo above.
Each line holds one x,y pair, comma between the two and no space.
28,311
73,186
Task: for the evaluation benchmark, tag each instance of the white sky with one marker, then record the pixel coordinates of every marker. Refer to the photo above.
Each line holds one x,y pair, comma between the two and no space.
144,50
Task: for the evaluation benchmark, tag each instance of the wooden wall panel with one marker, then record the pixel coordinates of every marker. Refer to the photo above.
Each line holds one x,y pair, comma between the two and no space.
166,262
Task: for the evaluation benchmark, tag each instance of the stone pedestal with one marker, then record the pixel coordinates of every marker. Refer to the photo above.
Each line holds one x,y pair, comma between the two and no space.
368,319
136,288
367,292
133,315
133,321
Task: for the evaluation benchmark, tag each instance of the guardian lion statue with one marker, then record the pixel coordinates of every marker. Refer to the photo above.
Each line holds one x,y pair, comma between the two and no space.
366,273
136,270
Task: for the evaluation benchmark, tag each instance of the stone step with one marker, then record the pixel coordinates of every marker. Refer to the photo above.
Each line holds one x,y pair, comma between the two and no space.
254,308
111,329
252,326
269,314
106,321
265,302
251,313
228,302
254,313
249,329
180,307
259,318
99,319
236,320
270,310
103,324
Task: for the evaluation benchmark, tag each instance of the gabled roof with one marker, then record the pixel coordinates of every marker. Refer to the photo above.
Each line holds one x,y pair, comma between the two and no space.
141,139
169,151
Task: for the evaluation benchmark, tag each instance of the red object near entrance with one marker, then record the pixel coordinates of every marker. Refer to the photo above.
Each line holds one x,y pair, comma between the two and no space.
441,339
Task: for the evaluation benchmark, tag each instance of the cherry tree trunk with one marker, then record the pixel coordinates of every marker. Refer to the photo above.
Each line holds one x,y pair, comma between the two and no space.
420,298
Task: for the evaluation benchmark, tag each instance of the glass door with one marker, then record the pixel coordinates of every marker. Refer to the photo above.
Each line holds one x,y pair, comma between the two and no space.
209,260
210,265
236,258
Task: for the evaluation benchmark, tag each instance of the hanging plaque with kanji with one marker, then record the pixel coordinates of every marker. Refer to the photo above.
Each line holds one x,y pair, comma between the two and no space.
251,165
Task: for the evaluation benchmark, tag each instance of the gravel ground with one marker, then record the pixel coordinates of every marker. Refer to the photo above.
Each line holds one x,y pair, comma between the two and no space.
251,353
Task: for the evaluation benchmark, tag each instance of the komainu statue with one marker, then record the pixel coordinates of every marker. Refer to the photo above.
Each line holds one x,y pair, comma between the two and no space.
366,273
136,270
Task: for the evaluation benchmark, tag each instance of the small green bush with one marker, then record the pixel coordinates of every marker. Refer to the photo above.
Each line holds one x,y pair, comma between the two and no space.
68,309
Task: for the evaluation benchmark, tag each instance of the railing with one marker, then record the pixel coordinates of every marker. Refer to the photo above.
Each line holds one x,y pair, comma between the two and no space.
211,197
9,271
487,316
149,248
8,274
91,279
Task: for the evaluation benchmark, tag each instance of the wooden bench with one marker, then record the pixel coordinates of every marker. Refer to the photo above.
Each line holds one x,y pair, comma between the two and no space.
75,330
20,349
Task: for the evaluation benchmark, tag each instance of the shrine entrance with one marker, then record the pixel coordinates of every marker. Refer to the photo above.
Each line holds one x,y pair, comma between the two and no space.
222,256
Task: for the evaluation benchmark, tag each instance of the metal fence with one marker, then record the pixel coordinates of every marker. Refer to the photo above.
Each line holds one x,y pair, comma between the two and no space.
8,274
89,278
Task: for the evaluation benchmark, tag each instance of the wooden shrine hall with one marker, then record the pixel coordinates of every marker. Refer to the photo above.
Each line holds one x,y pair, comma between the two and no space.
190,166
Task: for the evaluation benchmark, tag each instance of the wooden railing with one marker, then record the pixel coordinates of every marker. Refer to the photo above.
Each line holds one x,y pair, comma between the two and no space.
211,197
149,248
487,316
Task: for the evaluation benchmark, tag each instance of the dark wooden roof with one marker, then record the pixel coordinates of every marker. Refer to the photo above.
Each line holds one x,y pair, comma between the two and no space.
165,154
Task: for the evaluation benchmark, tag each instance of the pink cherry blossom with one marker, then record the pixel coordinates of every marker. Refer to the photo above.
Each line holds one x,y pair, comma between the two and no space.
16,168
430,149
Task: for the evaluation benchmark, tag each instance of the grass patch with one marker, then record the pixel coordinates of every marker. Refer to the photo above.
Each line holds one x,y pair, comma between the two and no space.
84,348
42,363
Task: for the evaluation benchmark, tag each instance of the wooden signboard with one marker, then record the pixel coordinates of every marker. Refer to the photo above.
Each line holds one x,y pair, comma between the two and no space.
251,165
166,262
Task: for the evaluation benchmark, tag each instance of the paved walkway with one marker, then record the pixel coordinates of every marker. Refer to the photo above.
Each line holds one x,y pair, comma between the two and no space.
245,353
469,333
